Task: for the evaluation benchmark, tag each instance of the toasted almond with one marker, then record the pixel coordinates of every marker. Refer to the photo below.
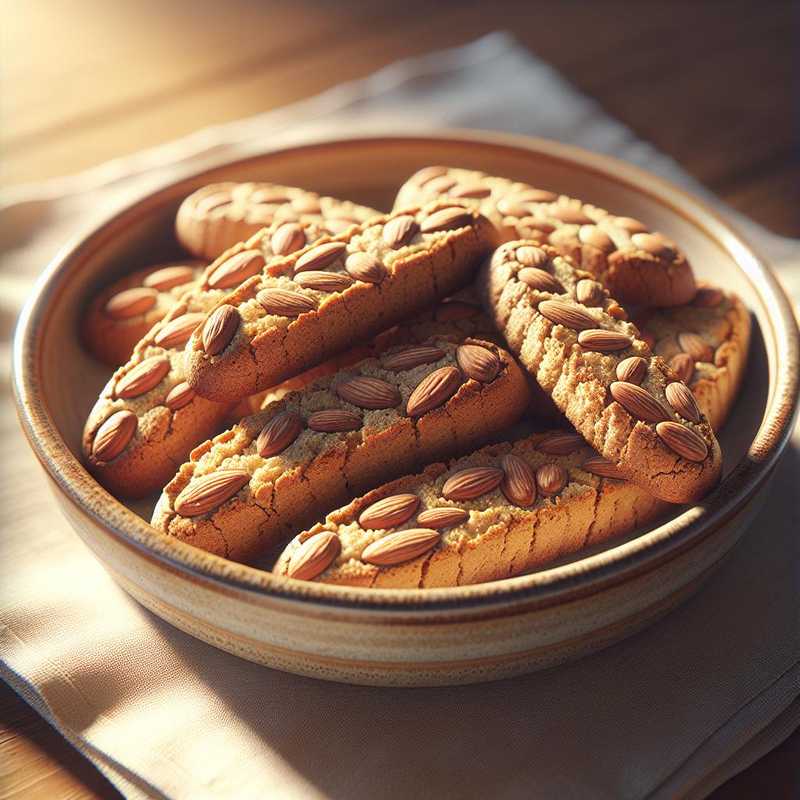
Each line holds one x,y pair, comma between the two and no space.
390,512
695,346
604,341
475,191
169,277
595,237
179,396
602,467
399,547
366,392
560,443
427,174
707,297
519,483
433,391
284,303
537,196
439,185
131,303
236,269
399,231
113,436
680,397
446,219
551,478
632,369
279,433
288,238
455,310
569,214
629,224
142,378
220,328
683,366
334,420
589,292
539,280
655,244
684,441
209,492
442,517
478,362
638,402
411,357
530,256
561,312
322,281
472,482
512,206
365,267
176,332
321,256
314,556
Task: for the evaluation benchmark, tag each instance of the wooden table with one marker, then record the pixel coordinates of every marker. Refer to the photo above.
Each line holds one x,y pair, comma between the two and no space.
82,82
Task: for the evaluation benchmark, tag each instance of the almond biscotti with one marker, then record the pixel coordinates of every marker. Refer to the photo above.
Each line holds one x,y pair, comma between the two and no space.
639,266
628,404
324,299
506,509
273,473
218,216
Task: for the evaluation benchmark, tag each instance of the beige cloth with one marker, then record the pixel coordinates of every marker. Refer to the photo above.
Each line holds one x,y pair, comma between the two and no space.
671,712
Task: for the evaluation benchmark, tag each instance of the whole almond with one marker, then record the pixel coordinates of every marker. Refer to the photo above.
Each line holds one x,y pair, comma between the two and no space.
654,243
411,357
707,297
530,256
538,196
560,443
475,191
638,402
539,280
551,478
519,483
427,174
321,256
179,396
604,341
209,492
236,269
390,512
366,392
442,517
142,378
322,281
399,231
589,292
131,303
472,482
629,224
571,215
632,369
512,206
365,267
113,436
399,547
334,420
455,310
440,185
446,219
219,329
284,303
680,397
602,467
477,362
433,391
684,441
176,332
169,277
683,366
595,237
278,433
560,312
288,238
314,556
695,346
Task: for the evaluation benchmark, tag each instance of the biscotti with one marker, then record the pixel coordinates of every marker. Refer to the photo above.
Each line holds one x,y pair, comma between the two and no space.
216,217
706,344
504,510
637,265
122,313
256,484
628,404
324,299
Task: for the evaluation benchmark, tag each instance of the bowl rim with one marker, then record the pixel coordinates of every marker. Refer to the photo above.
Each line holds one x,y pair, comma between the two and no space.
579,577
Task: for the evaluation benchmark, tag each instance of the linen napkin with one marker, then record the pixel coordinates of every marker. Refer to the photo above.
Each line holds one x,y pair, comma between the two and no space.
673,711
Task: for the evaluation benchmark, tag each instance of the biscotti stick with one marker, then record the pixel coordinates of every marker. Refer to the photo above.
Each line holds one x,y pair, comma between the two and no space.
504,510
637,265
216,217
706,343
258,483
147,418
122,313
628,404
324,299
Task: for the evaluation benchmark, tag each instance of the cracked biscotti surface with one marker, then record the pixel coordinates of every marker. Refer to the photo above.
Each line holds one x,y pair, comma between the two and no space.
216,217
706,343
505,509
639,266
627,403
256,484
324,299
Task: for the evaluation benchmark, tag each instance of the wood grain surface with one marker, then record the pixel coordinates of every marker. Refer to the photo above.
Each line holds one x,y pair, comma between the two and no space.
709,83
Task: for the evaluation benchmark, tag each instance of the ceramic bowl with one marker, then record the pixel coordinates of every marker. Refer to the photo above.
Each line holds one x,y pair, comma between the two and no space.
394,637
